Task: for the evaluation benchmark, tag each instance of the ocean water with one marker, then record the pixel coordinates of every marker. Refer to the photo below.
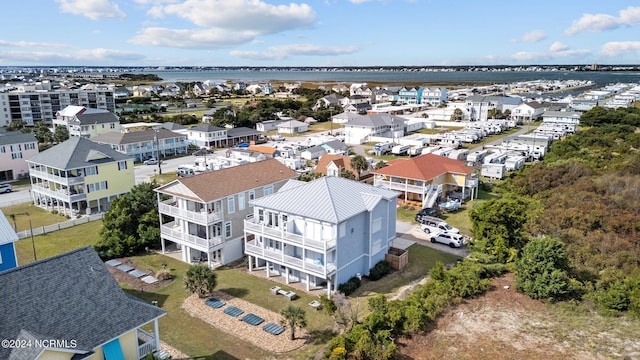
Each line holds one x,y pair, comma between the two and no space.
474,78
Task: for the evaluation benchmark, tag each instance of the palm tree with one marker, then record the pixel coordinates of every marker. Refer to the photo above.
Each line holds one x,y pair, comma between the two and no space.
359,164
200,279
294,317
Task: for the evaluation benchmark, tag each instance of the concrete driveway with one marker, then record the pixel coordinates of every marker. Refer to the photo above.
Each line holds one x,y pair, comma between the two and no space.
411,232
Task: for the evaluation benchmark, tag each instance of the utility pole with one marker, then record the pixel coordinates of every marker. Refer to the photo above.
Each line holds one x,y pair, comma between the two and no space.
33,243
155,137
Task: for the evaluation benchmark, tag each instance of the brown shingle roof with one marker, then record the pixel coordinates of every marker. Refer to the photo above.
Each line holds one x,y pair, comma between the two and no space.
217,184
424,167
341,161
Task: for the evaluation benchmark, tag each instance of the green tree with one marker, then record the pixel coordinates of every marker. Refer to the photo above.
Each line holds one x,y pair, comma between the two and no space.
542,270
15,125
347,174
42,133
457,115
293,317
200,280
380,164
359,164
498,226
309,177
61,134
132,223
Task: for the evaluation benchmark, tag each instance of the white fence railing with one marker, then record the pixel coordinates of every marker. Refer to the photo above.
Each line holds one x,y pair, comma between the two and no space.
40,230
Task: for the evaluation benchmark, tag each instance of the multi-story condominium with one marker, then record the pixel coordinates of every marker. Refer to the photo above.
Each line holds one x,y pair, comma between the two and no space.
15,149
433,96
358,130
202,215
411,95
8,236
142,145
321,233
425,178
478,106
69,306
32,106
79,176
86,122
527,112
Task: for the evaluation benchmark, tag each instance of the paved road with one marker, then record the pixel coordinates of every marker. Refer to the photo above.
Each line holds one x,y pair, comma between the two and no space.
19,195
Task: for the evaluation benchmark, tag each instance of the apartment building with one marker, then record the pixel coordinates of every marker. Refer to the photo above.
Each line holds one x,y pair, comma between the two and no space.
142,145
202,215
30,106
15,148
86,122
320,233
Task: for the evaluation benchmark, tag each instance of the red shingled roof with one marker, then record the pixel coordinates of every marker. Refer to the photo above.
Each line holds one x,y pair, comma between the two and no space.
424,167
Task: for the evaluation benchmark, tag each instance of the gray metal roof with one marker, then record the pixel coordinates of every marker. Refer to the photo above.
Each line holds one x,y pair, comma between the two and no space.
7,233
496,99
241,131
135,137
69,296
77,152
329,198
206,128
89,118
16,137
173,126
376,120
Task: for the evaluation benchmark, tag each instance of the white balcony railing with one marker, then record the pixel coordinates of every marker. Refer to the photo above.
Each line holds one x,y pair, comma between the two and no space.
74,180
278,256
288,237
59,194
175,234
400,186
146,344
204,218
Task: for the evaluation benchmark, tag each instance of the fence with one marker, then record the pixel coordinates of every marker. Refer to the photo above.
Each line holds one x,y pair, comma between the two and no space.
40,230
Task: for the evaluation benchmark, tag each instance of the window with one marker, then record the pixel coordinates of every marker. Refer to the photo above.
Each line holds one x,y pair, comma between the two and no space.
377,225
91,170
227,229
260,215
241,201
268,190
342,229
0,258
231,208
122,165
252,195
97,186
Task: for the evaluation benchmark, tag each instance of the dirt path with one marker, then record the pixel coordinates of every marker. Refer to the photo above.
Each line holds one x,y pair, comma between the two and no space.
504,324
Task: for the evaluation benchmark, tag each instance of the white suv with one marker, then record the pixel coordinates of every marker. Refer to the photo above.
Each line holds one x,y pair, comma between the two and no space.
5,188
451,239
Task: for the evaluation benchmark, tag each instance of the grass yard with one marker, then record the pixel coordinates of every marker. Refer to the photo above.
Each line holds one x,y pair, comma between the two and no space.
58,242
325,126
199,339
27,211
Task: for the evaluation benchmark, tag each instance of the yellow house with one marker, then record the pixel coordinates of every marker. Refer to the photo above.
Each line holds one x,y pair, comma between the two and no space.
70,307
79,176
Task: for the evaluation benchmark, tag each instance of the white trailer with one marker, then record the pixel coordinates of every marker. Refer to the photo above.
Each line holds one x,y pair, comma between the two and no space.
514,162
493,171
477,156
400,149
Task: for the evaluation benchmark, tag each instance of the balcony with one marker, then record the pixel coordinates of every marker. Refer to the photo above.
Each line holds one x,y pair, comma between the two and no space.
400,186
61,194
473,182
75,180
171,208
146,344
288,237
278,256
173,233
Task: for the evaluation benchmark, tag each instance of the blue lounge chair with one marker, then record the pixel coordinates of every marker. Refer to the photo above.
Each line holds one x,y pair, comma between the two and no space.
233,311
252,319
215,303
273,329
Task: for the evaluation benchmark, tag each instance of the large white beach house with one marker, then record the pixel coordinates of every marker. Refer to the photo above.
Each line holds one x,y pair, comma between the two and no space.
321,233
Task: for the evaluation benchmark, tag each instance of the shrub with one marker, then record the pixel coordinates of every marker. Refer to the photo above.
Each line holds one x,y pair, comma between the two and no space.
54,212
164,275
350,286
379,270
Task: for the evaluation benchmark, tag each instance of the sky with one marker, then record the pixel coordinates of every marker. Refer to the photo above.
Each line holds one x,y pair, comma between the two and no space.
318,32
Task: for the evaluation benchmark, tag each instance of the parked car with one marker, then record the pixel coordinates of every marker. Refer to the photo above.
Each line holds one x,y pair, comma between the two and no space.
451,239
433,225
435,212
5,188
202,152
151,161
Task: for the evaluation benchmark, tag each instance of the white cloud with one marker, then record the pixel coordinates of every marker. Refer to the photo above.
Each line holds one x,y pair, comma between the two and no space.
558,46
286,51
600,22
29,44
617,48
223,23
244,15
192,39
533,36
93,9
358,2
85,56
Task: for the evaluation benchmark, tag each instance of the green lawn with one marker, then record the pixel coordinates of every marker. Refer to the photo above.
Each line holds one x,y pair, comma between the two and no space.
27,211
201,340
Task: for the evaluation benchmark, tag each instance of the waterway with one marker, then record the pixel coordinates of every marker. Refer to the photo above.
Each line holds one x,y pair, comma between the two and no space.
395,77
